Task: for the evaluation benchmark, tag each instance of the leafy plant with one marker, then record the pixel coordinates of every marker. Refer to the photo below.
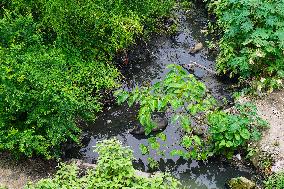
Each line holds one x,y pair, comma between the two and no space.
144,149
252,41
230,131
181,92
114,170
275,181
153,164
185,4
43,90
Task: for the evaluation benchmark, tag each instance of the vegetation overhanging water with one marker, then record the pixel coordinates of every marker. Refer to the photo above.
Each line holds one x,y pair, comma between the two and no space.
147,64
53,74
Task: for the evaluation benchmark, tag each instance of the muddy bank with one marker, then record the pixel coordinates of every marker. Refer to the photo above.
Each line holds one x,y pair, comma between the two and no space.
15,174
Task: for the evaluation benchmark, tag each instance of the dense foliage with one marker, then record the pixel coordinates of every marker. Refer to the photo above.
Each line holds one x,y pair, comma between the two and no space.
275,181
55,61
231,130
114,170
252,43
193,108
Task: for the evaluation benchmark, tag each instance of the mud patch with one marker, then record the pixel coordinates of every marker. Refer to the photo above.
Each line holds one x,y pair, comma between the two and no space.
15,174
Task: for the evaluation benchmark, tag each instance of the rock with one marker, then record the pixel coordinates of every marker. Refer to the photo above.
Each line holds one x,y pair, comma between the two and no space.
137,130
241,183
188,67
200,130
156,174
238,156
160,121
196,48
82,165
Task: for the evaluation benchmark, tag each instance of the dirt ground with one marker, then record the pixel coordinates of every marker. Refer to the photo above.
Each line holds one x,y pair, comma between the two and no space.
16,174
271,108
271,146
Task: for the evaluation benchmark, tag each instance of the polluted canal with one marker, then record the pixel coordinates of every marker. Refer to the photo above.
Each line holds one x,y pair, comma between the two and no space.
147,65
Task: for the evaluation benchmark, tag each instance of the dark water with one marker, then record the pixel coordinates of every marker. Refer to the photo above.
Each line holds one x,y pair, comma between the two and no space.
147,64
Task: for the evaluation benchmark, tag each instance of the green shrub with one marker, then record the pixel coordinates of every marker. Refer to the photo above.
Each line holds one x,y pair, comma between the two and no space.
192,107
275,181
252,42
55,61
230,131
114,170
43,90
94,28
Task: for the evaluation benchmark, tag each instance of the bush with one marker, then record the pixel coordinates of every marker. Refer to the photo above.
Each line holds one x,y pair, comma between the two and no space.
231,131
114,170
94,28
252,41
275,181
43,90
55,60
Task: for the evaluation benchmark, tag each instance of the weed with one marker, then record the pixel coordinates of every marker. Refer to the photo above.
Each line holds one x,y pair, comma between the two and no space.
114,170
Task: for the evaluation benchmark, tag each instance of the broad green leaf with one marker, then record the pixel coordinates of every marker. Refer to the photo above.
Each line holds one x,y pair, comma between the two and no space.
245,134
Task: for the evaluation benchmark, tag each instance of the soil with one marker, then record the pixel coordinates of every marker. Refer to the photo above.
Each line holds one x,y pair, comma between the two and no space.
15,174
271,109
271,146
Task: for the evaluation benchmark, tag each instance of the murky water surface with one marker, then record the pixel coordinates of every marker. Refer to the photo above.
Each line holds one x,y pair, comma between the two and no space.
147,64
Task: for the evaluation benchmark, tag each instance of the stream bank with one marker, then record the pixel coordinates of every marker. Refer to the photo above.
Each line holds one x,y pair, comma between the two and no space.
269,151
16,173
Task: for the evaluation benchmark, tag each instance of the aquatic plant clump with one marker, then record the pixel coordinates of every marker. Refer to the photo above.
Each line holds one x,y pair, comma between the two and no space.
56,60
193,108
114,170
182,93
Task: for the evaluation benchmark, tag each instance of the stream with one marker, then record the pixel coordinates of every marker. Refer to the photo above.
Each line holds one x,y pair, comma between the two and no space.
147,63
